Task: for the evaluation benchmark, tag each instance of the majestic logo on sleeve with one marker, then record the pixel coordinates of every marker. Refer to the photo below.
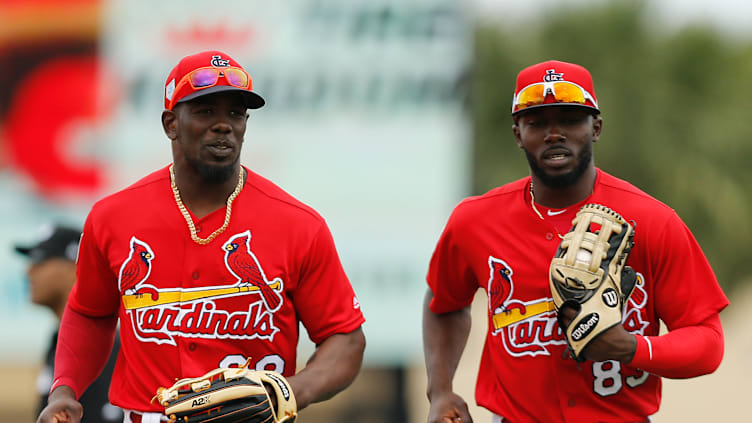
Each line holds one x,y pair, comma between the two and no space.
529,328
160,315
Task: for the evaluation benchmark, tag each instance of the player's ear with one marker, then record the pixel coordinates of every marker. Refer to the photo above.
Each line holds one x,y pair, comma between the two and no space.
597,127
516,132
170,124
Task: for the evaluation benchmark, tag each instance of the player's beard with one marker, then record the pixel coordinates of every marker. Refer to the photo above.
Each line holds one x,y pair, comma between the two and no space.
213,174
584,158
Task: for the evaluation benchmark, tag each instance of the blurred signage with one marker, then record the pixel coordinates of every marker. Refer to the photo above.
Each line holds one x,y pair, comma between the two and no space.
364,122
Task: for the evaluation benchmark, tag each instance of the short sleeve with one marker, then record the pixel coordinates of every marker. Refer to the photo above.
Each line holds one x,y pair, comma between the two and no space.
95,292
450,275
687,291
324,299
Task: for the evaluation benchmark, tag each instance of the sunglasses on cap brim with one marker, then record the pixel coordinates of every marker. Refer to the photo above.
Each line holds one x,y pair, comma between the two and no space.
562,92
206,77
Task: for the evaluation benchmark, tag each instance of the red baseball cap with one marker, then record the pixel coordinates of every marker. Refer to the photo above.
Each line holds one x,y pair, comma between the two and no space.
554,83
206,73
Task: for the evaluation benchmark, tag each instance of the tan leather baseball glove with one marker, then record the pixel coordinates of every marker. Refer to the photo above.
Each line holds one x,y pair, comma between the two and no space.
588,274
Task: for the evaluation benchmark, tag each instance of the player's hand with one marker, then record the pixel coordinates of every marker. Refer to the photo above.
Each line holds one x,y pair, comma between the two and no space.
62,407
614,344
449,408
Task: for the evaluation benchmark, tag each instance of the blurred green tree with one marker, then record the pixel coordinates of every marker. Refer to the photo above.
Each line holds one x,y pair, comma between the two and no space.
676,109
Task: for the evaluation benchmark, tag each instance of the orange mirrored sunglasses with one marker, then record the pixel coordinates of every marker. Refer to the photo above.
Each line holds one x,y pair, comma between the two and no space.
562,92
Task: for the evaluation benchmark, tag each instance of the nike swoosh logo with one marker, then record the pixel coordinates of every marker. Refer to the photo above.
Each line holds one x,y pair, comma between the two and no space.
554,213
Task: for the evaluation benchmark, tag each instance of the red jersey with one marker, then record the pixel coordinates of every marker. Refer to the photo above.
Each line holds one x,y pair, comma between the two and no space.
497,242
186,308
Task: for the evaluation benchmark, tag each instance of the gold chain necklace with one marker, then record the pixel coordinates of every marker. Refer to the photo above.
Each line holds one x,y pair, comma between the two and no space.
532,204
187,216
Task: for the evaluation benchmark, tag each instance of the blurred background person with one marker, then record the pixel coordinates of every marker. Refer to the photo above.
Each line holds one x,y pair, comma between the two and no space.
51,274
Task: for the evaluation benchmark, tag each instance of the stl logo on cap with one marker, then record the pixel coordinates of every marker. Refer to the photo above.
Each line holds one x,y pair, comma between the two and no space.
219,61
552,76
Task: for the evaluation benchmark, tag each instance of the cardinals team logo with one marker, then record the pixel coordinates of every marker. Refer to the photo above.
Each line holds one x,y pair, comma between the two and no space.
218,61
525,328
552,76
207,311
633,319
136,268
244,265
500,288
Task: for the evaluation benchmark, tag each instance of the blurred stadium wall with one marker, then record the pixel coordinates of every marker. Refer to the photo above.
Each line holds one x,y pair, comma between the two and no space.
367,121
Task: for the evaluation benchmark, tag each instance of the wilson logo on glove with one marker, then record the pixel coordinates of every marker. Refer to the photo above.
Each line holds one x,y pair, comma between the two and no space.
610,297
585,326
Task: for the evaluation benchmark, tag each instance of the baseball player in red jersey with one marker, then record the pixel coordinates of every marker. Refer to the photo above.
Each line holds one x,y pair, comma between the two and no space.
205,264
503,241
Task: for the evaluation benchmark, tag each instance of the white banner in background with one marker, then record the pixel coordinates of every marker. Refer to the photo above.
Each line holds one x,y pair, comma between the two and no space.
364,122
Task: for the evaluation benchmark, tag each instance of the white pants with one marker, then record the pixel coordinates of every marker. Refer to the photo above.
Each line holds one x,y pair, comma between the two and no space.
145,417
